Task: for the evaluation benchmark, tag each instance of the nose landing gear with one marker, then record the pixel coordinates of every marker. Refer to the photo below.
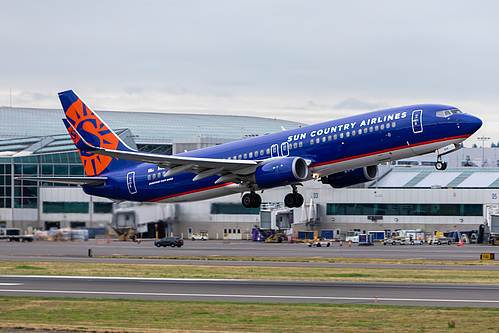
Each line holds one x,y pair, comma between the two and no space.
441,165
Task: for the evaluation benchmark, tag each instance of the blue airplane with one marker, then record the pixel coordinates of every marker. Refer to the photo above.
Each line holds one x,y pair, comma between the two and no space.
339,153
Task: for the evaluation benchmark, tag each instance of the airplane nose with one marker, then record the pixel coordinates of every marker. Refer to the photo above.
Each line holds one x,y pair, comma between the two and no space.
474,123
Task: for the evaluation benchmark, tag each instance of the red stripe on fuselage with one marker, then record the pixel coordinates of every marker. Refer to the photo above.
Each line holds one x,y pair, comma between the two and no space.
387,150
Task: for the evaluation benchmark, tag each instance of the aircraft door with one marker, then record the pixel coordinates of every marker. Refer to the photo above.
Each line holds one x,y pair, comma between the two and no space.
130,182
417,121
285,149
274,150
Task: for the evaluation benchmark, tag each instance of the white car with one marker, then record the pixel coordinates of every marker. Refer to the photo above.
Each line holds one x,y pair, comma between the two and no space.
199,237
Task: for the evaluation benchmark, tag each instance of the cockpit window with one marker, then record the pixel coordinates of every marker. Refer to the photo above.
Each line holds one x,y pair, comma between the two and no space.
448,113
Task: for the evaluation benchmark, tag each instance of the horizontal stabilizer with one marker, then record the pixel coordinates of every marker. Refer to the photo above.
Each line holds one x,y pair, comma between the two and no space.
92,181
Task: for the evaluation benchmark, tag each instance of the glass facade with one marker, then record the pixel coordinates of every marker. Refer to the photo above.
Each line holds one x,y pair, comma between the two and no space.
103,207
24,194
232,208
405,209
65,207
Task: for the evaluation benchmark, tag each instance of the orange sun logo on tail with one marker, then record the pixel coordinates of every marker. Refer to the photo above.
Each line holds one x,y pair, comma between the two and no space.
95,132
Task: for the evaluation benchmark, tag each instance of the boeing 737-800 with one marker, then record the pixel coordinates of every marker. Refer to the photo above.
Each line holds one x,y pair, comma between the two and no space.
339,153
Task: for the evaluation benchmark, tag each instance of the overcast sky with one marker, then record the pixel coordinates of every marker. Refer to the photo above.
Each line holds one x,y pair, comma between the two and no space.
307,61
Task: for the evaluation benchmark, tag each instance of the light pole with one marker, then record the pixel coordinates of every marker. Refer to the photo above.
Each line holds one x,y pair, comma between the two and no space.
483,139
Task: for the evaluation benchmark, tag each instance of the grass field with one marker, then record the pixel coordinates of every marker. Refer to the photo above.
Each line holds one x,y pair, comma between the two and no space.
250,272
115,315
104,315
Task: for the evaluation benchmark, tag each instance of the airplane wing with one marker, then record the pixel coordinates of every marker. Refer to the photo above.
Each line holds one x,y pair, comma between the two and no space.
228,170
68,180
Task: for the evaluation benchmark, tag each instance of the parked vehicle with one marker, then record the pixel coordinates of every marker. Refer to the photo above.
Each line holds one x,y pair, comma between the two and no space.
14,235
199,237
169,241
352,236
439,240
319,243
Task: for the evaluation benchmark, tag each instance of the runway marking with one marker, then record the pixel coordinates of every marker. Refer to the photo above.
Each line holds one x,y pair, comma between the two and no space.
11,284
332,298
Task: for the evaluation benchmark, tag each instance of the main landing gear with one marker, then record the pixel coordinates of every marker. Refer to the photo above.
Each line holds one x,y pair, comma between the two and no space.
293,200
251,200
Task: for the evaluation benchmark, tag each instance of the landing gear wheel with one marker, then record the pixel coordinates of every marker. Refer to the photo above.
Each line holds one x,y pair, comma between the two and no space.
251,200
441,165
293,200
298,200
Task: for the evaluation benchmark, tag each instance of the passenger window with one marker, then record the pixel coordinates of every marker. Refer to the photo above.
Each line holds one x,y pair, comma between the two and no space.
153,176
353,133
256,153
251,154
382,126
245,156
365,130
323,139
371,129
148,177
347,134
376,128
295,145
268,151
360,132
318,140
393,124
235,157
240,157
341,135
329,138
311,141
274,149
300,144
388,126
336,136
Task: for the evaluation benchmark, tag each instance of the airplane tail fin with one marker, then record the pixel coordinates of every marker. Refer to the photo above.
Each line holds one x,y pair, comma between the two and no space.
87,129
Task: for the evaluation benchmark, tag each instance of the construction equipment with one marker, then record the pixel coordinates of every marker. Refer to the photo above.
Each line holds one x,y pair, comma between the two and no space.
124,233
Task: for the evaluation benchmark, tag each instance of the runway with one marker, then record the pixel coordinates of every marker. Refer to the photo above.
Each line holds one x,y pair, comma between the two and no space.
455,295
253,291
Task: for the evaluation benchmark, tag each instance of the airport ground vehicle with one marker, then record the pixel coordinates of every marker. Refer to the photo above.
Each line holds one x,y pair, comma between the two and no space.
366,239
402,241
199,237
439,240
352,236
319,243
169,241
494,230
14,235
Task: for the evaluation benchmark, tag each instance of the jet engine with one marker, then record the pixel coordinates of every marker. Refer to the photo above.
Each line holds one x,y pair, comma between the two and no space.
280,172
352,177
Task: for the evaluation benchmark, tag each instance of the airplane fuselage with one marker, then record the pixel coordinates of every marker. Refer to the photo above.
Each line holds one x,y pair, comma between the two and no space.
329,147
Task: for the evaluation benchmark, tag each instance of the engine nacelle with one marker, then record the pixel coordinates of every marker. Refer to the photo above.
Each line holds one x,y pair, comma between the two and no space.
352,177
284,171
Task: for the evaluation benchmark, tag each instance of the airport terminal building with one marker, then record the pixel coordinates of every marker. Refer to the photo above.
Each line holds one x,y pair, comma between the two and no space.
407,195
